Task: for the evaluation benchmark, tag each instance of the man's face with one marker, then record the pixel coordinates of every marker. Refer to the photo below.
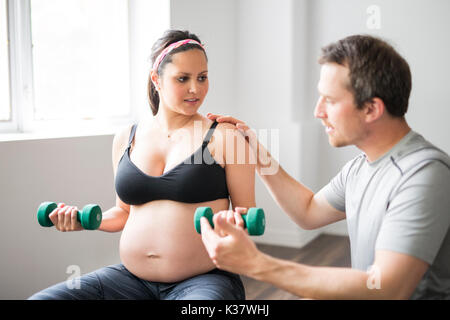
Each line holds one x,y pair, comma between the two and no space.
343,122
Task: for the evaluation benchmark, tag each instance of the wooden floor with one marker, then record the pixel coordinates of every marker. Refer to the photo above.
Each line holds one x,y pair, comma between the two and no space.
325,250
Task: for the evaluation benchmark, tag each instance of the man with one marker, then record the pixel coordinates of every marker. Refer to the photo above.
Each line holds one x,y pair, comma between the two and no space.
394,196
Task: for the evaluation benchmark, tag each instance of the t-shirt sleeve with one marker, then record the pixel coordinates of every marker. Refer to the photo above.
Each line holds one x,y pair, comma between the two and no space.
334,191
418,216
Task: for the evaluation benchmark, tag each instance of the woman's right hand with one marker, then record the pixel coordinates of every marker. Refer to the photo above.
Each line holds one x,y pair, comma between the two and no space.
65,218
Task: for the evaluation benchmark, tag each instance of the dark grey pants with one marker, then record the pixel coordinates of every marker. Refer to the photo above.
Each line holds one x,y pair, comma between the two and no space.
116,282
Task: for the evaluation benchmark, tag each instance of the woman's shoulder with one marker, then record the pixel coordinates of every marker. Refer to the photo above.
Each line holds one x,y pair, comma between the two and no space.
229,132
120,143
224,131
122,135
223,126
228,138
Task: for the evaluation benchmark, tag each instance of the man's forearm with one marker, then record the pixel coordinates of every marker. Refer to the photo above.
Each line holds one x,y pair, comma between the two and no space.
316,282
293,197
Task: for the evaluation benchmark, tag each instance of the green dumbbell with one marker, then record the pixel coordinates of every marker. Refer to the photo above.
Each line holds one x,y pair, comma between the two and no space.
90,217
254,220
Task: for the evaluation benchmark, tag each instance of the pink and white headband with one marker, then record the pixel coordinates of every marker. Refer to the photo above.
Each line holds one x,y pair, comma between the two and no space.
171,47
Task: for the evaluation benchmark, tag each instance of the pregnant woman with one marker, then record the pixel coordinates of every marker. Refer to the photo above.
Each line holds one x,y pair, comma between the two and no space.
166,166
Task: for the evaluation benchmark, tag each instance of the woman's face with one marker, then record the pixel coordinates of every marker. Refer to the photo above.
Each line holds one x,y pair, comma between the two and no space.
184,84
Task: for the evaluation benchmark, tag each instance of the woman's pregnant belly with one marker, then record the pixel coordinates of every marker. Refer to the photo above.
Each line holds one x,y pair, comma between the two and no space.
159,241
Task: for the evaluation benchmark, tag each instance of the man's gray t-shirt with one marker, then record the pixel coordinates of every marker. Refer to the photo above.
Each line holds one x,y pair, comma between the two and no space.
400,202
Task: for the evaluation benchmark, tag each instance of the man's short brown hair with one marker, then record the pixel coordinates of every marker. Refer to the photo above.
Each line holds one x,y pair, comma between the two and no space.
376,70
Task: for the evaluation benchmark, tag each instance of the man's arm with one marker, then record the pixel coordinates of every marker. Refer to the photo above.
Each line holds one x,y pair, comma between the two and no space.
308,210
393,275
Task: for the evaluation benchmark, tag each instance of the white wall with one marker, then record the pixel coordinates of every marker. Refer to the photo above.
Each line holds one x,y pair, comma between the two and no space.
75,170
214,22
268,87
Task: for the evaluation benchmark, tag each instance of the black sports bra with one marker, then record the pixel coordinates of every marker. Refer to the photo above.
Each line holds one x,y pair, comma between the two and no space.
199,178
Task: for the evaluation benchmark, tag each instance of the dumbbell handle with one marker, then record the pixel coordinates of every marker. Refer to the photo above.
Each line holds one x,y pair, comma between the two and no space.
254,220
90,218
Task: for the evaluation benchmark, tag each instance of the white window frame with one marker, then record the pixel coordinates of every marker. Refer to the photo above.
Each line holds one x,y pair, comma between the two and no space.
20,64
21,71
4,68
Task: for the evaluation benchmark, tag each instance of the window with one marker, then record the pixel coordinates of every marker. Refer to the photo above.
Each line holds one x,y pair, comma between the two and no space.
5,105
75,63
80,59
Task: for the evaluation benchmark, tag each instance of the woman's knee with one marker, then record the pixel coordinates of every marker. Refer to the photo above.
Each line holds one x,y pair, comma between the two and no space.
215,285
86,287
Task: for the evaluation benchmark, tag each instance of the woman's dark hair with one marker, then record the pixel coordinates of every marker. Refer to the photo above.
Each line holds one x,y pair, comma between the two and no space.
169,37
376,70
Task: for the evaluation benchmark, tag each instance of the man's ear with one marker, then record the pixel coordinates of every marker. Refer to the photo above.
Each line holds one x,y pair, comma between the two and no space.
374,109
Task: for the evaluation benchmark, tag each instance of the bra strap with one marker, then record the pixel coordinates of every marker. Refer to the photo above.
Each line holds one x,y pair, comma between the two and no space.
132,133
209,133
